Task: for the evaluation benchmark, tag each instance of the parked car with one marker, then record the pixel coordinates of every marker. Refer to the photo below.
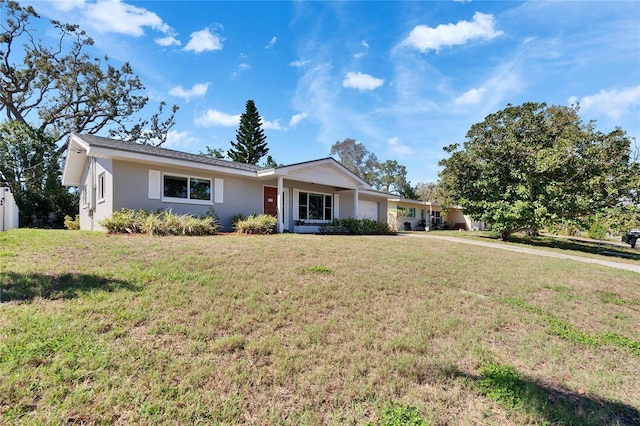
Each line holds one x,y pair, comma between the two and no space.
631,237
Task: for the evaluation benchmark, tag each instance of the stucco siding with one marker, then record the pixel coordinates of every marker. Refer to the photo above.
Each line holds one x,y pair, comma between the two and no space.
240,195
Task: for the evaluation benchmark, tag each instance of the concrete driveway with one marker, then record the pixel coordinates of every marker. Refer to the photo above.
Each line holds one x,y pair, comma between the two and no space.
520,249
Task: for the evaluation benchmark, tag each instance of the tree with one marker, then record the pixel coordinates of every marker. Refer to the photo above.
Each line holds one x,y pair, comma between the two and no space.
54,91
29,166
64,90
407,191
392,176
270,162
214,153
433,191
532,165
251,143
355,157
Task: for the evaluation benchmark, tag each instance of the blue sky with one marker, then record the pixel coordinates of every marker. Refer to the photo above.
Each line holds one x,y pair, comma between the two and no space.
403,78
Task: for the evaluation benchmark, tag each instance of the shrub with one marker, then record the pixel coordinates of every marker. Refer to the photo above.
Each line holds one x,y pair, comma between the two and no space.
257,224
237,218
72,224
161,223
355,227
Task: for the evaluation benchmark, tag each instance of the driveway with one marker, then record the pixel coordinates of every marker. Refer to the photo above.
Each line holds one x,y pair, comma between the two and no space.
520,249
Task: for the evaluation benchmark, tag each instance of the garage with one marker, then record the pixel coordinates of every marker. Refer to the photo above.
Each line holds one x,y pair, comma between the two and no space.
368,209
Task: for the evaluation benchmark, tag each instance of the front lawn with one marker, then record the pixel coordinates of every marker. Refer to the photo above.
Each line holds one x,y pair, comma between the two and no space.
306,329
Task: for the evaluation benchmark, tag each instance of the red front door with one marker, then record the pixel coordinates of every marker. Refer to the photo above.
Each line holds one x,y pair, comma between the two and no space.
271,201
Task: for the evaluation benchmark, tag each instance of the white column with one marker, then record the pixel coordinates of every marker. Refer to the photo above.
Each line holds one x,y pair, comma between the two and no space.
280,205
355,203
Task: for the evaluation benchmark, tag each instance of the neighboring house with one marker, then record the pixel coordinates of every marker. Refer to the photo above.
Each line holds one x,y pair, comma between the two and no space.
418,215
414,215
8,210
114,174
456,219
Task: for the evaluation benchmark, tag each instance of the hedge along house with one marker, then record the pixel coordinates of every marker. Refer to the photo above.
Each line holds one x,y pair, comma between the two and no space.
115,174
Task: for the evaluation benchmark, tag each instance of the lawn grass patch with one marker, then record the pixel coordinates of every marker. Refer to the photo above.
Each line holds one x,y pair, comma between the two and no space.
305,329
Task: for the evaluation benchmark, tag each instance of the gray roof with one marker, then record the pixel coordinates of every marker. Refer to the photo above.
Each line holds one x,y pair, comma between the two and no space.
121,145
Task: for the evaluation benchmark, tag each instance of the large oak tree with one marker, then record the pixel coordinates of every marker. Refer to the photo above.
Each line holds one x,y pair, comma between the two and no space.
533,164
58,89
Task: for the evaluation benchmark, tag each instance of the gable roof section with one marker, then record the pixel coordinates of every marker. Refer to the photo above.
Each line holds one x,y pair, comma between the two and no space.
326,171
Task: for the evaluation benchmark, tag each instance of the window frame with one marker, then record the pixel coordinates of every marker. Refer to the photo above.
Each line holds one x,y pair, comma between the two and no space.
188,199
402,212
325,210
102,187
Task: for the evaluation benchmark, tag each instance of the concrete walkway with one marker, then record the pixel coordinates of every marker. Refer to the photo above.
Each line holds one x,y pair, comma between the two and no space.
520,249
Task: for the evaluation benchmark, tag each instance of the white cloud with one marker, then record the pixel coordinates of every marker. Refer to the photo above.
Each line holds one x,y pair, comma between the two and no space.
181,140
471,97
197,91
363,53
426,38
611,103
67,5
396,147
204,40
271,43
271,125
114,16
241,68
297,118
299,63
168,41
360,81
214,118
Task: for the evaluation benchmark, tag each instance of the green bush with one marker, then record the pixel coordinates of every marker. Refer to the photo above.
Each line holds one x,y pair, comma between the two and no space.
72,224
597,230
161,223
257,224
355,227
237,218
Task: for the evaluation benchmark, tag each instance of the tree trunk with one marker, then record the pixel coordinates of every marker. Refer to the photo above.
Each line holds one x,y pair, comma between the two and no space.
504,235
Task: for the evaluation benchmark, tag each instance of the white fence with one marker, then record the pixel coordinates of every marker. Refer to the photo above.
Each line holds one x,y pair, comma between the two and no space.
8,210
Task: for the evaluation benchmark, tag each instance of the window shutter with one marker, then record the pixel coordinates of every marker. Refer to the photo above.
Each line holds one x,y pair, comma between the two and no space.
218,194
154,184
336,206
296,204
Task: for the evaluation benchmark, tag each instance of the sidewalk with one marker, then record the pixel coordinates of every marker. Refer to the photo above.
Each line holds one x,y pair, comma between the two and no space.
519,249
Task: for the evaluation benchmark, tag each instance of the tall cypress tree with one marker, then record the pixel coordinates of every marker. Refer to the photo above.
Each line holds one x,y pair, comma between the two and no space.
251,142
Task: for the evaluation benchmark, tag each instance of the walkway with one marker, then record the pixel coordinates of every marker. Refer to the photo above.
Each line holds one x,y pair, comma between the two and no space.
520,249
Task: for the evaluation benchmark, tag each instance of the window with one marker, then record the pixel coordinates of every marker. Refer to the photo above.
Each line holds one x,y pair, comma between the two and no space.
406,211
436,219
101,187
312,206
85,202
186,188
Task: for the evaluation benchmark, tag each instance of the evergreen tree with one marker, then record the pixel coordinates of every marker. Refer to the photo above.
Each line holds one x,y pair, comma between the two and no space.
251,142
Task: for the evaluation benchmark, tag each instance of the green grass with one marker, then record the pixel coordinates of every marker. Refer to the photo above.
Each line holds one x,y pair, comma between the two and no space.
304,329
609,250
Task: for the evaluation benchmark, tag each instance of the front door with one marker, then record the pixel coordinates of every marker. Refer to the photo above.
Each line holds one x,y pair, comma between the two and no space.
271,201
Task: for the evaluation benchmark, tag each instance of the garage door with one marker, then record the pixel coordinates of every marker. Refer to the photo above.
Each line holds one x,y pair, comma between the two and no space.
368,209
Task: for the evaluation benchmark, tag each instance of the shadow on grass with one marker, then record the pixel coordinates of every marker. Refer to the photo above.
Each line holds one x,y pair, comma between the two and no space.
545,402
26,287
603,248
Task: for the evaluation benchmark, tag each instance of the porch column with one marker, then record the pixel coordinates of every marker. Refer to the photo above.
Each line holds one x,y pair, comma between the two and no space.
355,203
280,200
